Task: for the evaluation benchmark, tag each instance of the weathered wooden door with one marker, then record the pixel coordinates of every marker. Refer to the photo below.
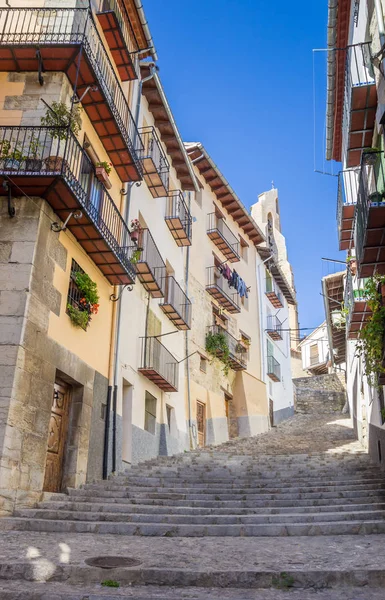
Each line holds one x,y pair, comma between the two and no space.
201,423
57,432
271,412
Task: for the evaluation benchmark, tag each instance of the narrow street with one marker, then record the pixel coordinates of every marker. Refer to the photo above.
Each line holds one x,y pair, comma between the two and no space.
292,508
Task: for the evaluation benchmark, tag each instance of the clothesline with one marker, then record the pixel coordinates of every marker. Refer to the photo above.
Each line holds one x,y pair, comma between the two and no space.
234,280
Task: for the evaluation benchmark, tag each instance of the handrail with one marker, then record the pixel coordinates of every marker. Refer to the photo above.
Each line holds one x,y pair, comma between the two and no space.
39,151
214,278
274,324
152,148
177,298
347,191
152,257
156,356
272,288
177,208
273,367
124,23
353,294
219,224
39,26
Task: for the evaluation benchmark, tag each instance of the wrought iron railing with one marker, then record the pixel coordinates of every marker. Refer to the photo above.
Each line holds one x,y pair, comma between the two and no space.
216,279
49,151
177,209
347,191
272,288
152,148
67,26
273,367
354,292
237,350
124,24
177,298
218,224
156,357
371,192
359,72
152,257
274,324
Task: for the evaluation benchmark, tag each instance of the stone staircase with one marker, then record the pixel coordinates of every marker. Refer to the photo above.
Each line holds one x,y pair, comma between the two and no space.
266,486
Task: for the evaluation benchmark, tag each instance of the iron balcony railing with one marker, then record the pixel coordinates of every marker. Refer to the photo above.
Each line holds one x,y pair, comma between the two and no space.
150,255
124,24
237,351
178,300
218,225
177,209
359,73
274,326
67,26
216,279
152,148
155,357
273,368
347,191
354,292
39,152
371,193
271,288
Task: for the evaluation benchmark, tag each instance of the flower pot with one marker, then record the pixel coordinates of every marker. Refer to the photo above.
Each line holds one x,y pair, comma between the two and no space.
370,158
53,163
33,164
11,164
375,198
102,176
135,236
353,267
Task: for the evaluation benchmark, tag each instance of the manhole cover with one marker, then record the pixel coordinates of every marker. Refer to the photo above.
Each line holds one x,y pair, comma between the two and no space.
113,562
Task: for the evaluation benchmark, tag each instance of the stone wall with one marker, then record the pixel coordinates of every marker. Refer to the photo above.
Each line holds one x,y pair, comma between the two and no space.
319,394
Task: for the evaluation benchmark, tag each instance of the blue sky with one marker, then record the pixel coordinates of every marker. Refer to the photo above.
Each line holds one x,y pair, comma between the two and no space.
239,78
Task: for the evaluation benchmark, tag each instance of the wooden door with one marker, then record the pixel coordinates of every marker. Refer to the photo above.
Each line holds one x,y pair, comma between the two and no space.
201,423
271,412
57,432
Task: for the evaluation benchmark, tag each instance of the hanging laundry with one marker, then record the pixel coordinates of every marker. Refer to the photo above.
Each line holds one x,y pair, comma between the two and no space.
227,272
234,280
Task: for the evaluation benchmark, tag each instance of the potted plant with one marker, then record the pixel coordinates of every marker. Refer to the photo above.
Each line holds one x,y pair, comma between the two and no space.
136,230
32,161
135,258
102,170
352,263
370,155
12,158
376,197
61,120
88,303
217,346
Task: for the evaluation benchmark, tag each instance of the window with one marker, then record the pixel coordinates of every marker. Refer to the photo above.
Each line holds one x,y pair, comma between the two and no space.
245,341
244,247
245,302
150,413
169,410
269,282
202,363
314,357
74,295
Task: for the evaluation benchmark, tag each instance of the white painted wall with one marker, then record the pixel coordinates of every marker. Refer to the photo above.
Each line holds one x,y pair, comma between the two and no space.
319,337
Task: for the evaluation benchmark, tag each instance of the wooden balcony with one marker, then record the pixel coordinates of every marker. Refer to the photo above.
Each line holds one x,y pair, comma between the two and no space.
347,194
120,38
223,237
274,328
178,218
218,288
369,225
176,304
150,267
273,369
356,303
155,164
237,351
159,365
67,40
36,162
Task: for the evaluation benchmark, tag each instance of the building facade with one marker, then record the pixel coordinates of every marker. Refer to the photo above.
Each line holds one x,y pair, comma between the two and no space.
315,351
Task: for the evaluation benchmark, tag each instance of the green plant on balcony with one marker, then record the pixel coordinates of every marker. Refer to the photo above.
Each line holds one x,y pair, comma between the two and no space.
217,346
103,164
33,162
89,300
12,156
135,258
370,155
62,118
370,341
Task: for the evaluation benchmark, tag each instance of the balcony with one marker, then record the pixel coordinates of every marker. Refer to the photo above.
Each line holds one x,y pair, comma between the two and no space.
176,304
223,237
178,218
360,102
150,267
36,162
218,287
159,365
347,194
273,369
66,39
369,225
237,351
273,294
274,328
155,164
120,38
355,302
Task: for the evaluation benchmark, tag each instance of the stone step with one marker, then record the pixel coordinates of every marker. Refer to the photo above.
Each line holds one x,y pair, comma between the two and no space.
316,528
261,519
190,510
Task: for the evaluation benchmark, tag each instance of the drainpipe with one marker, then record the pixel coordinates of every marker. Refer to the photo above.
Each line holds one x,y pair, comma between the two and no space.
144,24
328,323
190,428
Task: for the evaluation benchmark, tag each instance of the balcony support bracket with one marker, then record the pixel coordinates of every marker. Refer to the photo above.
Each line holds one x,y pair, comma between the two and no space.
40,67
57,228
115,298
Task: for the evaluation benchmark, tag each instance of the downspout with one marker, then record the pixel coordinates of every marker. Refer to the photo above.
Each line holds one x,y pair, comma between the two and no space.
328,323
114,361
331,76
144,24
190,427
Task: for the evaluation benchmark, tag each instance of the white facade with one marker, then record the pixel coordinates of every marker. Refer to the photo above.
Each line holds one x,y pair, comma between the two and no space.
315,350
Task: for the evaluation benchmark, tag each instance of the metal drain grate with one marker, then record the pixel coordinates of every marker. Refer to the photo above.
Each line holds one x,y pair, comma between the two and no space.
113,562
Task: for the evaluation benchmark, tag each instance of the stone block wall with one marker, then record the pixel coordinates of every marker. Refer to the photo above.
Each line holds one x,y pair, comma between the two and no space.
319,394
